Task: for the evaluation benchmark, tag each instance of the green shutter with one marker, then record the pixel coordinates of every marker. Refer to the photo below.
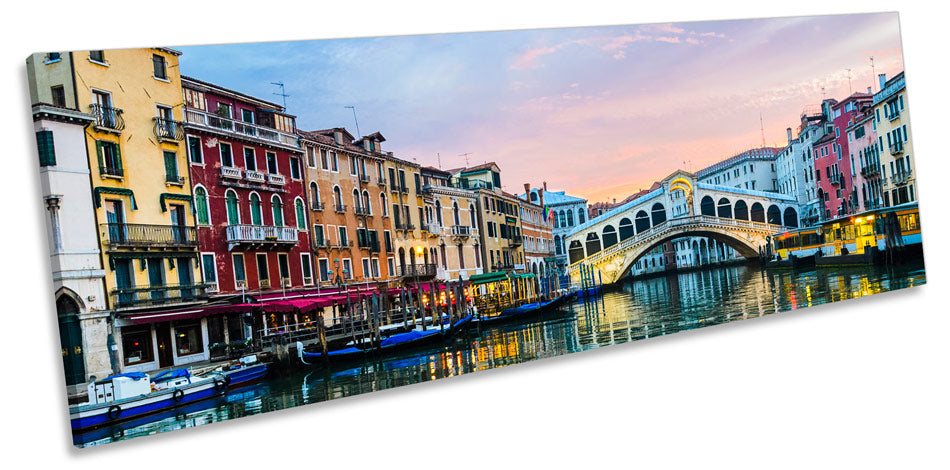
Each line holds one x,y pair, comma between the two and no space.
201,203
102,161
171,170
301,221
44,144
118,156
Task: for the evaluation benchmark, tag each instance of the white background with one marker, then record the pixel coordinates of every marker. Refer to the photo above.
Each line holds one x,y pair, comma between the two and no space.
856,384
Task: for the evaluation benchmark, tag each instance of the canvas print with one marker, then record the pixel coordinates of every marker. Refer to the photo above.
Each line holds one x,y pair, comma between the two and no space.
241,228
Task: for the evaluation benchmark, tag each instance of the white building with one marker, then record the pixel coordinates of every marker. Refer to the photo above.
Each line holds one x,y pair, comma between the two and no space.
753,169
569,211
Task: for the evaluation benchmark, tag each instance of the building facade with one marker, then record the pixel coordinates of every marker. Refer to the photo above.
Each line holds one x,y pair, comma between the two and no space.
501,238
868,185
892,118
566,212
450,223
753,169
538,231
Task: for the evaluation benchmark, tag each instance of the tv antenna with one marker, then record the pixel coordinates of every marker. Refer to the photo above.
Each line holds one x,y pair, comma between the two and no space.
873,73
762,128
849,82
281,94
466,154
439,157
355,120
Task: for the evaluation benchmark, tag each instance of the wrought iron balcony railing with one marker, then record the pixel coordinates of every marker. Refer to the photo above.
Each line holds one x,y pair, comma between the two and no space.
261,234
124,297
168,129
381,181
432,227
515,240
360,210
870,171
417,270
372,246
339,208
900,178
896,148
240,128
174,179
107,118
364,178
119,235
404,226
316,206
111,171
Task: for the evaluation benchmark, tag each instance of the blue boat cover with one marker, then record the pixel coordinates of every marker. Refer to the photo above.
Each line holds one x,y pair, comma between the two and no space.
406,337
171,374
131,375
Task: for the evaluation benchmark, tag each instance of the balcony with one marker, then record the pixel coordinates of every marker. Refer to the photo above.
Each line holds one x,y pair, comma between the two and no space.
263,283
900,178
381,181
462,230
360,210
254,176
108,119
364,178
432,228
261,235
175,180
515,240
371,245
404,189
836,180
169,130
230,172
239,128
871,204
124,297
896,148
117,235
404,226
277,179
420,271
316,206
339,208
112,171
871,171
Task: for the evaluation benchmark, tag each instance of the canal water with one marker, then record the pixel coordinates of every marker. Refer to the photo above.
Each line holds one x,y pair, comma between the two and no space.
642,309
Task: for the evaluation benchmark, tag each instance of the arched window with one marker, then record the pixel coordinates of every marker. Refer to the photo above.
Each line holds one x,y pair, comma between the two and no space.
383,204
581,217
314,196
593,243
366,206
626,228
741,210
438,212
337,197
256,209
278,209
707,206
757,212
231,203
576,251
610,236
562,217
471,214
642,221
201,206
774,215
791,217
570,218
725,209
301,218
658,213
455,213
356,199
557,244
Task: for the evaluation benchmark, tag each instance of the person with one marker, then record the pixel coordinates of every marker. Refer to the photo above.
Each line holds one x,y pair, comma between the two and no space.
474,312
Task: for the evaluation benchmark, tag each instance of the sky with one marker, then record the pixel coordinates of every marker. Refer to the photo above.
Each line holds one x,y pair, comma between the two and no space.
600,112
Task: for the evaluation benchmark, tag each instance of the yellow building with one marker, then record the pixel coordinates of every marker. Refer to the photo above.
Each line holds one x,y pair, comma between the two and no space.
450,224
892,123
499,218
414,258
142,198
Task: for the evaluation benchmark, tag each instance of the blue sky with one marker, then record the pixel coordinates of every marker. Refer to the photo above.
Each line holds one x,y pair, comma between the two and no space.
600,112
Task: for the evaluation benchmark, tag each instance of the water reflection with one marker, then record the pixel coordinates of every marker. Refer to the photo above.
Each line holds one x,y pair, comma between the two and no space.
641,309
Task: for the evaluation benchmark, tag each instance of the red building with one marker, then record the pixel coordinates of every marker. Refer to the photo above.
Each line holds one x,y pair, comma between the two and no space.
834,160
249,191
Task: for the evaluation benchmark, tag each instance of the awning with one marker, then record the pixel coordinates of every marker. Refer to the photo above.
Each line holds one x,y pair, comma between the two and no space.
187,314
488,277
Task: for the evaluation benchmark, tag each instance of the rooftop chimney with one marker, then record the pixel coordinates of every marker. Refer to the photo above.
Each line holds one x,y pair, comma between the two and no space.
869,90
545,185
881,78
788,131
527,192
541,198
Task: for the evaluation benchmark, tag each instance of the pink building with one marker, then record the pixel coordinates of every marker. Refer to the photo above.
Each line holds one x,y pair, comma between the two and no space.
869,187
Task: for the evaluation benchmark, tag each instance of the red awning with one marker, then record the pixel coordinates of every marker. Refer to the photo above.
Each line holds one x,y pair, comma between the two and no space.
187,314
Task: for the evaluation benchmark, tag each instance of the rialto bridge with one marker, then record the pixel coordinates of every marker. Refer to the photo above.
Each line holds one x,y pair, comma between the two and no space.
680,207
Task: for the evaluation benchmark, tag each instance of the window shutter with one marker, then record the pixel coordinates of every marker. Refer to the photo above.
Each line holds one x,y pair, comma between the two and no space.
170,172
118,156
44,144
102,162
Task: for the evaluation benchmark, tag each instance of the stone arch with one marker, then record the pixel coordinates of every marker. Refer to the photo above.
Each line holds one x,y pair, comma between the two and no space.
626,229
658,214
642,221
609,236
774,215
592,243
707,206
791,217
757,213
724,208
576,251
741,210
68,307
706,245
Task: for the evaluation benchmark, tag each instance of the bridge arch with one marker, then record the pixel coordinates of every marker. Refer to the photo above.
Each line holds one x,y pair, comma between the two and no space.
626,229
609,236
724,208
774,215
658,214
791,217
705,251
741,210
642,221
575,251
757,212
707,206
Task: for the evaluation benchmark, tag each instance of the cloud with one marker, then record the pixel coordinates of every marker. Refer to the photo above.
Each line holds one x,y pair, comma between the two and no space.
669,39
529,58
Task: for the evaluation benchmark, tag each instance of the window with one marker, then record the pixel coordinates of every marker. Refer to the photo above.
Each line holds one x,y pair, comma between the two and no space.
344,240
271,163
262,271
158,67
247,116
240,277
294,168
384,206
277,209
334,162
388,241
318,235
391,263
314,196
171,168
323,160
311,160
53,57
188,339
201,206
194,150
137,344
58,94
301,218
226,158
375,267
224,110
366,268
250,160
323,265
283,268
347,269
352,164
44,143
209,270
110,158
256,209
306,269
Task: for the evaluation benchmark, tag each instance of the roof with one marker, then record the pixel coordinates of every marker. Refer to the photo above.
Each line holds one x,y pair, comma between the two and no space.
478,168
238,94
437,171
751,154
556,198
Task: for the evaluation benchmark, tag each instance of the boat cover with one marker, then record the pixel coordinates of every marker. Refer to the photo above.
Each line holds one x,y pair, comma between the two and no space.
171,374
131,375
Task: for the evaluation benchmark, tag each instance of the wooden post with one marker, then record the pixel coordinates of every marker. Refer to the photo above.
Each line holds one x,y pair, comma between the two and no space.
402,304
323,338
349,310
